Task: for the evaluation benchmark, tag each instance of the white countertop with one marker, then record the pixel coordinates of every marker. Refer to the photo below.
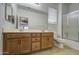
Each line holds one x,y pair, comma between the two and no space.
27,31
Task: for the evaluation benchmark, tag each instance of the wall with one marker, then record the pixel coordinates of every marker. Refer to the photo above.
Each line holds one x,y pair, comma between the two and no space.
2,18
52,19
35,20
44,8
52,27
8,26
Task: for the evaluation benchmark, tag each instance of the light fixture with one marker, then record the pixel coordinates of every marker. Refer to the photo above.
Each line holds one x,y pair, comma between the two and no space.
38,4
34,4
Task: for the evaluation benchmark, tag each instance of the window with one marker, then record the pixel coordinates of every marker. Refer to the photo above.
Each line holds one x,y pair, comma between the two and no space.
52,16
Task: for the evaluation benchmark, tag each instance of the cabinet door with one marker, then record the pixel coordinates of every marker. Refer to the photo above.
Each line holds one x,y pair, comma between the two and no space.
12,46
44,42
36,46
49,42
25,45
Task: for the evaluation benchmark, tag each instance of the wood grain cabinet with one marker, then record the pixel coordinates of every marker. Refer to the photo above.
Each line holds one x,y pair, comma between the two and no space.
12,46
25,45
47,40
36,37
28,42
36,46
16,43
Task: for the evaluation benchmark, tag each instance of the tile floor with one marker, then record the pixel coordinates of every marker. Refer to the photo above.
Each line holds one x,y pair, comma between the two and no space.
58,51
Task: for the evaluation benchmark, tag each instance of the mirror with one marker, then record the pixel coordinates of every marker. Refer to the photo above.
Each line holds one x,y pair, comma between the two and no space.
9,13
23,23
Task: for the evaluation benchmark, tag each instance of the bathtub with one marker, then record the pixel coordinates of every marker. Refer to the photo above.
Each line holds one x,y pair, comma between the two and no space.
70,43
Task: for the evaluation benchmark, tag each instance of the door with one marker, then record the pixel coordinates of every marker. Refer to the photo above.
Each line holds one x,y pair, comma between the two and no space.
13,46
25,45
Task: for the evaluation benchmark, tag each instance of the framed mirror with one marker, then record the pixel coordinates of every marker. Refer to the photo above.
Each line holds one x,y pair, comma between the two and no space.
23,23
9,13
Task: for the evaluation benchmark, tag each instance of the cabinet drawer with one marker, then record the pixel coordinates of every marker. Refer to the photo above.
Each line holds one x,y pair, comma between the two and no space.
36,46
47,34
36,34
19,35
35,39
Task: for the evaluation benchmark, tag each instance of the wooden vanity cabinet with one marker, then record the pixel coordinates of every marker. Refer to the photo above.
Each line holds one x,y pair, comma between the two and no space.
12,46
28,42
36,37
16,43
25,45
47,40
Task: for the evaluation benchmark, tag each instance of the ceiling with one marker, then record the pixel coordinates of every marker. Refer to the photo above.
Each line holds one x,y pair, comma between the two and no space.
42,8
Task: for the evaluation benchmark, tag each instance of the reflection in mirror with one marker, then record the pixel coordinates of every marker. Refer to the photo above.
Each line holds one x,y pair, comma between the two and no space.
23,23
9,13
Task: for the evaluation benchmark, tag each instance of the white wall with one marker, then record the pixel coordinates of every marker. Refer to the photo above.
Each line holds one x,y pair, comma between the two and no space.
44,8
2,18
35,20
52,27
9,26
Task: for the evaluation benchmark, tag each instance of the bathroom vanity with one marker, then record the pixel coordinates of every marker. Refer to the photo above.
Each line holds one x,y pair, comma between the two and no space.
26,42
